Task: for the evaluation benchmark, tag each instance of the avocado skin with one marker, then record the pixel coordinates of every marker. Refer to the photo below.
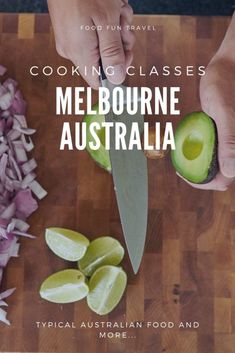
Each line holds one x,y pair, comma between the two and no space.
214,166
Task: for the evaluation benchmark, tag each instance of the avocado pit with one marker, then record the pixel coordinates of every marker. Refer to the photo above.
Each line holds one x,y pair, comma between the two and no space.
193,145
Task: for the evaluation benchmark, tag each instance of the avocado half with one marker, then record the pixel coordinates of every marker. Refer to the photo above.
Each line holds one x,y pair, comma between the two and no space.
100,156
195,156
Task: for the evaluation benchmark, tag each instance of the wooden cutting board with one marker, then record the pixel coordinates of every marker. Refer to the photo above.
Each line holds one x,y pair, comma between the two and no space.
187,273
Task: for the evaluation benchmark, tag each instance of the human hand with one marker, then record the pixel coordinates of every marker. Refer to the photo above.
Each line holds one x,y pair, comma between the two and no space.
217,93
85,47
217,89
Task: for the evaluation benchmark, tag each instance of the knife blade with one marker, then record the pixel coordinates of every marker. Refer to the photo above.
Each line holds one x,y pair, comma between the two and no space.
129,170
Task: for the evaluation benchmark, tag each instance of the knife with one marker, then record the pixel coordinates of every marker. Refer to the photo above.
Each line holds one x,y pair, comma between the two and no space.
129,170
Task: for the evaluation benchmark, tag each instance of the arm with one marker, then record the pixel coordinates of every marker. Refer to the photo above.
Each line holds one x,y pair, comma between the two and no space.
217,93
227,48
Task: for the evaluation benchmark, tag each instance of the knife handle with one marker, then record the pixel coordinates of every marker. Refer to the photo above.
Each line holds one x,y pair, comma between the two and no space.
102,73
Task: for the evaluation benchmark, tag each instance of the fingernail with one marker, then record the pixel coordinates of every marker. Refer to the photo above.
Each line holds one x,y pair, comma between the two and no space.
118,74
228,167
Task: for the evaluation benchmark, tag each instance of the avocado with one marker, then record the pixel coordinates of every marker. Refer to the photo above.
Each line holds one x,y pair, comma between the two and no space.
100,156
195,155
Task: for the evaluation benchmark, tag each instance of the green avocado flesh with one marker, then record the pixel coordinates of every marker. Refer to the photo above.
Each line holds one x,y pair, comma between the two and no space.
195,156
100,156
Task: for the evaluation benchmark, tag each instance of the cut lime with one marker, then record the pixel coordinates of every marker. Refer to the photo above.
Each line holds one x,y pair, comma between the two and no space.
63,287
101,251
106,288
67,244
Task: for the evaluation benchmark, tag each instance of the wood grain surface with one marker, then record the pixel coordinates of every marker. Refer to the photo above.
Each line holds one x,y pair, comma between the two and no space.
188,270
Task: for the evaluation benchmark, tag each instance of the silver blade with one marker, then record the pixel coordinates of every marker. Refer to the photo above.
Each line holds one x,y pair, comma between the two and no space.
129,169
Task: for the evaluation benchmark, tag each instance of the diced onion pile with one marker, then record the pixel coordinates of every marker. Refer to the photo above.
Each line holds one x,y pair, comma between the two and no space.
17,177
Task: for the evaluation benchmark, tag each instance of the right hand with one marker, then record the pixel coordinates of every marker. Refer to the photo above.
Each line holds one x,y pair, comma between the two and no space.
85,47
217,89
217,98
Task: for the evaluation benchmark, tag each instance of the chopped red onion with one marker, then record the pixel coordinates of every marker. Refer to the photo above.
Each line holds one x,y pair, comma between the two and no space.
14,251
27,143
2,303
3,317
20,152
3,165
19,224
25,204
15,167
4,259
18,106
27,180
23,234
7,293
13,135
6,101
9,211
3,90
3,233
16,185
10,173
3,70
29,166
17,179
3,222
9,248
3,148
21,120
11,226
26,131
37,190
10,82
6,114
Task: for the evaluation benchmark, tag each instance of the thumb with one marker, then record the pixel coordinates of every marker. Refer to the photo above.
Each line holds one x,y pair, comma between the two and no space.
112,54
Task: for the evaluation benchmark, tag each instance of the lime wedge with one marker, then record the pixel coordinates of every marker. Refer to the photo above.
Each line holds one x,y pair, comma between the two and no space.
106,288
101,251
67,244
63,287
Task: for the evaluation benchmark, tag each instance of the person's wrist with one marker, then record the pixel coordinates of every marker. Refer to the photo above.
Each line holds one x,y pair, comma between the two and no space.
225,55
226,51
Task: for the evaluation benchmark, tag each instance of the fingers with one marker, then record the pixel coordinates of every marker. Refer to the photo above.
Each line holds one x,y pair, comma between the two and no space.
225,122
226,136
116,46
82,49
88,68
219,183
87,58
128,40
128,37
112,53
227,166
85,47
224,117
127,13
